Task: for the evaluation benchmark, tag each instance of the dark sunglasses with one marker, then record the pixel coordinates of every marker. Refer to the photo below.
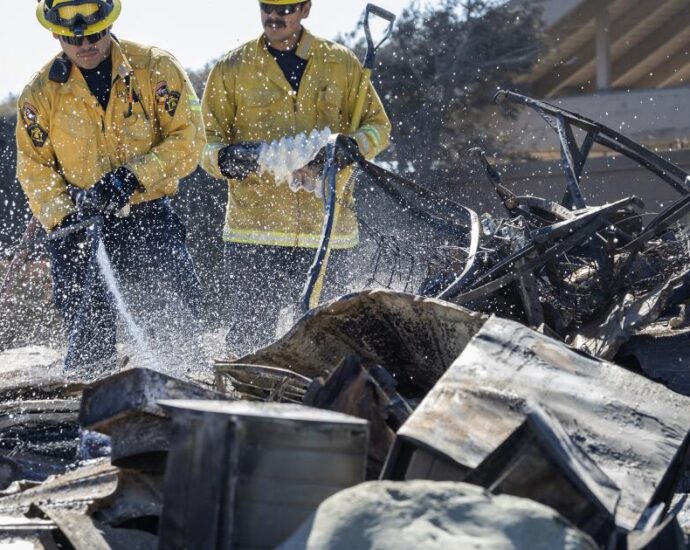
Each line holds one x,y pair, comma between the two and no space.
287,9
79,40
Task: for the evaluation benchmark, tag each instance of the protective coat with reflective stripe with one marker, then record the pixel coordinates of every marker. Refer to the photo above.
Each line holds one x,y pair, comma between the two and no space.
65,136
248,98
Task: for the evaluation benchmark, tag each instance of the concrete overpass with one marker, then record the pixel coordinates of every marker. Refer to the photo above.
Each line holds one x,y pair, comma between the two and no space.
613,44
624,63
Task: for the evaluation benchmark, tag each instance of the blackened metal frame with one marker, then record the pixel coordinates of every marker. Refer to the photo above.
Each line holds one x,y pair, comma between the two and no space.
574,157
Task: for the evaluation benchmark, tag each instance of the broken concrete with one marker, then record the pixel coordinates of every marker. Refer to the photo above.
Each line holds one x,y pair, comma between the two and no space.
430,515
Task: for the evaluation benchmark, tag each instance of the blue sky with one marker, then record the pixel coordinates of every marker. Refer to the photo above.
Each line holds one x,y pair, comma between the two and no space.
194,31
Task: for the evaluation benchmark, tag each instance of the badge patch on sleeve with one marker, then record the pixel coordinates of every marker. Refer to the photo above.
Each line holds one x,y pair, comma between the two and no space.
172,102
162,91
37,134
30,113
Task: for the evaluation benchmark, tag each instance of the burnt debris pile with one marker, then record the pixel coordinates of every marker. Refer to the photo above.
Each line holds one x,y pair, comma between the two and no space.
535,394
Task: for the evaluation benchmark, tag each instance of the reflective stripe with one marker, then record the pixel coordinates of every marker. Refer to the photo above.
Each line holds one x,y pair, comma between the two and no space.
278,238
194,103
160,162
211,153
373,134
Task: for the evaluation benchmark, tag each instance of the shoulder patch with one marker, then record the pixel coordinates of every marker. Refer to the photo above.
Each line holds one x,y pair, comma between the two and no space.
161,91
37,134
29,113
172,102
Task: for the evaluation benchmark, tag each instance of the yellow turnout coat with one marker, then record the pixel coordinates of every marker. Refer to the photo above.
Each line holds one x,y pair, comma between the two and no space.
248,98
152,125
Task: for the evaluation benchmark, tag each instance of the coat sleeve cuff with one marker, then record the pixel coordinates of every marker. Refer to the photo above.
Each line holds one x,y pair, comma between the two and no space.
369,141
53,212
148,170
209,161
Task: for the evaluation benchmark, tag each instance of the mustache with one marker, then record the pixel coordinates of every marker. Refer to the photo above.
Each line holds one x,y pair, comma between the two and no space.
275,23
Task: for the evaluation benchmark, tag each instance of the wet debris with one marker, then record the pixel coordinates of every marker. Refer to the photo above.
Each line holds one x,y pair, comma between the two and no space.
260,383
416,339
125,407
536,397
589,275
607,431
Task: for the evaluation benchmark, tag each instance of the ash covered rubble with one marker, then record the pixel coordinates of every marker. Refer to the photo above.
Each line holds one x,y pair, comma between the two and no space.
538,396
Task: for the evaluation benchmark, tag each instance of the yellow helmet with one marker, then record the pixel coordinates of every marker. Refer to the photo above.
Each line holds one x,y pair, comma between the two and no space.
77,17
281,2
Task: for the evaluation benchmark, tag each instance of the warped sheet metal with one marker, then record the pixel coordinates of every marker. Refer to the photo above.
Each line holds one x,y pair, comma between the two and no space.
77,490
539,461
633,429
414,338
662,353
605,335
125,407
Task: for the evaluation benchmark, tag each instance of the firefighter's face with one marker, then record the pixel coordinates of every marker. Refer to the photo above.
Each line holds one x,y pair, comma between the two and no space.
281,29
87,55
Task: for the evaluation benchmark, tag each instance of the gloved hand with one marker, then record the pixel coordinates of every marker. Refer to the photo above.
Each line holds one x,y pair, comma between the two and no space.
346,153
238,160
72,228
109,194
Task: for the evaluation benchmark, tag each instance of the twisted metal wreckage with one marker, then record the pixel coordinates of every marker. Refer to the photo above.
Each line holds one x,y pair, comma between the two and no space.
448,393
575,271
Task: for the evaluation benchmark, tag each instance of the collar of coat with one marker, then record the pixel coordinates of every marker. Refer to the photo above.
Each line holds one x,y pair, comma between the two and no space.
121,66
305,47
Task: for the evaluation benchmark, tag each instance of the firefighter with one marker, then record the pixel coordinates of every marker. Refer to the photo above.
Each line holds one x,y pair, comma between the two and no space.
104,132
284,83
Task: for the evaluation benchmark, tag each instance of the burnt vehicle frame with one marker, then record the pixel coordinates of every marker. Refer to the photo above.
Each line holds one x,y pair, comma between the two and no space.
558,228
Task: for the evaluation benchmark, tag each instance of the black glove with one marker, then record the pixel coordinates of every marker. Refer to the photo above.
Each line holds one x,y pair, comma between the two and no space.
346,153
69,221
239,160
72,228
109,194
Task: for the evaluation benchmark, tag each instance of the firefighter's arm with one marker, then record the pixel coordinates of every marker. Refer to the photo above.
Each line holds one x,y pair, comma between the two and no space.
37,169
218,107
374,130
178,115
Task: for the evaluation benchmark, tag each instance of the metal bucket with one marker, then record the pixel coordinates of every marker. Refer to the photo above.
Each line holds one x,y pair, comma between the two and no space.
246,475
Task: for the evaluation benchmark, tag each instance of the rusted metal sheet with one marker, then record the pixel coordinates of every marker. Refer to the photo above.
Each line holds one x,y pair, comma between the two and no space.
125,406
662,353
633,429
272,464
414,338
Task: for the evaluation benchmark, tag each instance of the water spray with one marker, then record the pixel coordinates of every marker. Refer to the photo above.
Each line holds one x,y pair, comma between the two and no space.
99,261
